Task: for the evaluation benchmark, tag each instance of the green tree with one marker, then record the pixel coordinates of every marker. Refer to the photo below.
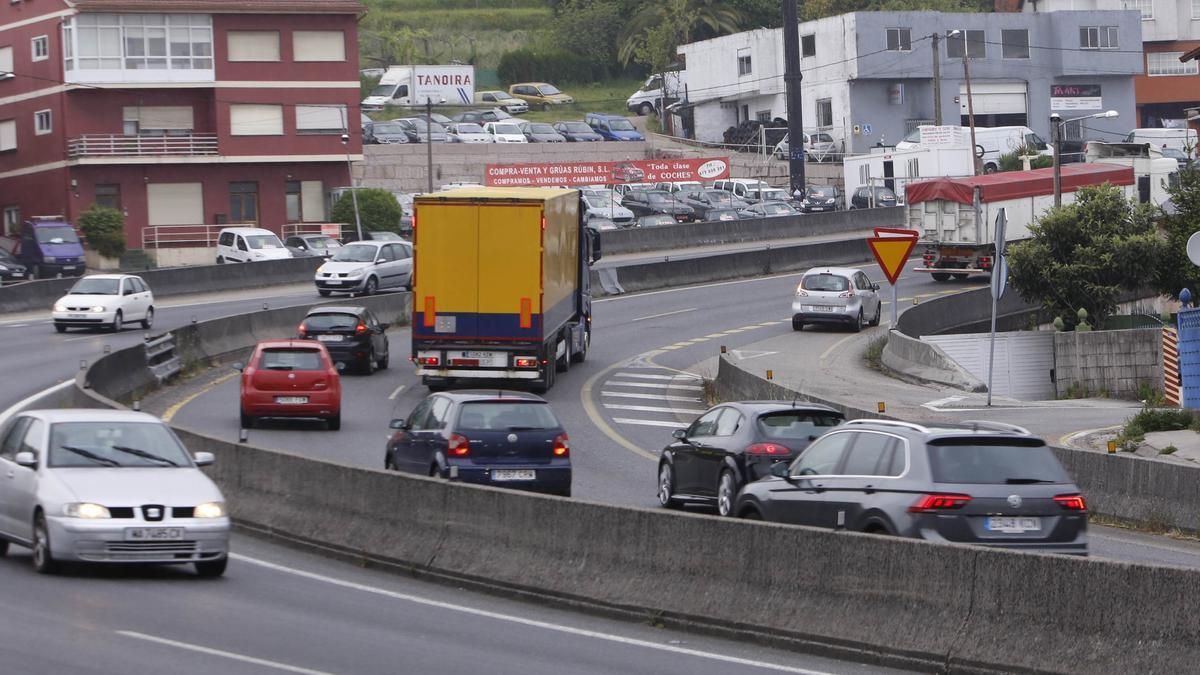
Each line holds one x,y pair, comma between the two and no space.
1011,161
659,26
589,28
104,229
1082,255
378,210
1174,271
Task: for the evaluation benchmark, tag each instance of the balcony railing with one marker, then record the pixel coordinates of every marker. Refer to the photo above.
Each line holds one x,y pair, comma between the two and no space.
117,145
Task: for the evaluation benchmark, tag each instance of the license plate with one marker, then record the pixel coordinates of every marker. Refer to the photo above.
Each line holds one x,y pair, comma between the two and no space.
153,534
1013,525
821,308
76,316
291,400
69,268
17,275
329,338
514,474
333,282
477,358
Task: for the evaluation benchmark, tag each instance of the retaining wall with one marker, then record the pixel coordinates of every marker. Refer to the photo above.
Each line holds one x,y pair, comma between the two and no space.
927,362
1112,361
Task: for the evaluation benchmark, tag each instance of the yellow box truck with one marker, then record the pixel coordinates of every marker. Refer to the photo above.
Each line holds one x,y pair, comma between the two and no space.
502,285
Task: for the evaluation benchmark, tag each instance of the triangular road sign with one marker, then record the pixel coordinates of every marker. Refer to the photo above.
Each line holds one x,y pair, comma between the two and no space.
891,252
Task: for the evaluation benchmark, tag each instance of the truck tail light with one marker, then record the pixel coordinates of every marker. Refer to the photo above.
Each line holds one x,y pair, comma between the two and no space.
458,445
938,502
526,361
1071,502
562,446
429,360
770,449
985,262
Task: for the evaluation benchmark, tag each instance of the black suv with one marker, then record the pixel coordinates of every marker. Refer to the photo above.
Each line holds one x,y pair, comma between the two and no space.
648,202
982,483
862,198
352,335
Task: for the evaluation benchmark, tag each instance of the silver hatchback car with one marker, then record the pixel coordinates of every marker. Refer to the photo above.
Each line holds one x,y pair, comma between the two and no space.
107,486
837,295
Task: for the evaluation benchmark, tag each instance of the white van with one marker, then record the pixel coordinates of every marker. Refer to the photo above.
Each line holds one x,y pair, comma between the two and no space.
995,141
249,244
1179,139
740,187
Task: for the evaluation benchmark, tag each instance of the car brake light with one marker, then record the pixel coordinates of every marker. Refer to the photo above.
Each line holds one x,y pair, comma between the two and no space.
458,445
1071,502
302,331
773,449
800,290
360,329
934,503
847,294
562,446
985,262
526,362
429,361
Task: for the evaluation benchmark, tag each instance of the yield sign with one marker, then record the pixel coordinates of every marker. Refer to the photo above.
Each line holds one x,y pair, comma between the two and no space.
891,248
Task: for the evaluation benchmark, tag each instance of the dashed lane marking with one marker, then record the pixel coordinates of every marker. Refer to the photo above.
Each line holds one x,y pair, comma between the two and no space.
659,316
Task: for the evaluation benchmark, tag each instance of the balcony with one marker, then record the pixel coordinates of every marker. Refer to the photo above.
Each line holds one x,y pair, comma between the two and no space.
118,145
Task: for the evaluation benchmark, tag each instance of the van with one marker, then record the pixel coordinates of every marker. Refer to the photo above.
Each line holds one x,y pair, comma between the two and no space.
994,141
1183,140
740,187
249,244
613,127
658,87
50,247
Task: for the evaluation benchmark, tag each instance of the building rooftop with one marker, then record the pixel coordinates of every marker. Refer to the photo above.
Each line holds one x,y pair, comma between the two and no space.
227,6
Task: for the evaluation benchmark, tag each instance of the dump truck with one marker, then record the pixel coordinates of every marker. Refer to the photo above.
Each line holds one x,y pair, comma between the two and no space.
502,288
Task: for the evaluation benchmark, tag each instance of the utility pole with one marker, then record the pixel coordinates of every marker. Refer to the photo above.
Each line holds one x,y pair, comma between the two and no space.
795,110
937,81
1056,141
970,108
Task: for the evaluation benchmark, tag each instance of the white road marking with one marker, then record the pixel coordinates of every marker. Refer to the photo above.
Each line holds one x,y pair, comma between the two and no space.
220,652
654,385
533,623
659,316
649,423
25,402
937,405
658,377
650,408
747,354
82,337
17,325
825,354
651,397
396,393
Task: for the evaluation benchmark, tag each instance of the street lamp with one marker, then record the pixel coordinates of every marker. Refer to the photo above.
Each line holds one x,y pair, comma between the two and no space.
353,187
1056,125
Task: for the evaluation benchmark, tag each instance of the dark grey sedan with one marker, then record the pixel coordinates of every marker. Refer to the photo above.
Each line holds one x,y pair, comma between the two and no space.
982,483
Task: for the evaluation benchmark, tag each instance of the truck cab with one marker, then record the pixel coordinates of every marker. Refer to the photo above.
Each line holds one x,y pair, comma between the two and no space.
49,246
393,89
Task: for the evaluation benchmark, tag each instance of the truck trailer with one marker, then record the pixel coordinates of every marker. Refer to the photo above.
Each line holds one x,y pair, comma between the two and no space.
955,217
502,288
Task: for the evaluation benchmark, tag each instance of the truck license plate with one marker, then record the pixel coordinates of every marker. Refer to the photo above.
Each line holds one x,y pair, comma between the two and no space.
478,358
153,534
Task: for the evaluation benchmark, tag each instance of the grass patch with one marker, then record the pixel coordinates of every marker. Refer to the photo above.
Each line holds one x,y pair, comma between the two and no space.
464,30
874,353
1169,450
1149,420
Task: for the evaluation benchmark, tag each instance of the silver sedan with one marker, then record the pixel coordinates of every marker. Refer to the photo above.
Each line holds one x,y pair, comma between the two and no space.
107,486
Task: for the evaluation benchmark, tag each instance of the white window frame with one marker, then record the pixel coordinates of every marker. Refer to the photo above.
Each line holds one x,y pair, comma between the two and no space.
744,54
1167,64
1196,9
230,36
1145,6
828,104
257,119
301,56
1004,45
6,63
125,30
899,31
307,112
11,126
1109,33
12,219
40,129
39,48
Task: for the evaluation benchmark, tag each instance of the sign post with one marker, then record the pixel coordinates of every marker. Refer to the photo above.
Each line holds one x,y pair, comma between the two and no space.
999,283
891,248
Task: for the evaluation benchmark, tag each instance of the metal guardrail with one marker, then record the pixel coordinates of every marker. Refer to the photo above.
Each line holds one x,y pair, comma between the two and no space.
159,236
118,145
160,356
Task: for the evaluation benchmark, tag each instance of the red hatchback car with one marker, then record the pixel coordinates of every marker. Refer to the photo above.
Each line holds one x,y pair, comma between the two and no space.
291,378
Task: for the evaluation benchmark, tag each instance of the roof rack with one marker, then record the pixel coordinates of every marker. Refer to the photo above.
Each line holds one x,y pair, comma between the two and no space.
997,426
894,423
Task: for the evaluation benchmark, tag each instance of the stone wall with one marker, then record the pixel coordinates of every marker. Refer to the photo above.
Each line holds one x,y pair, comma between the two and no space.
1112,362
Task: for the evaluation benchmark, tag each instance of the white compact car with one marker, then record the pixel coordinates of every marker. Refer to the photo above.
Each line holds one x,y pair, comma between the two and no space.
843,296
108,486
505,132
249,244
104,301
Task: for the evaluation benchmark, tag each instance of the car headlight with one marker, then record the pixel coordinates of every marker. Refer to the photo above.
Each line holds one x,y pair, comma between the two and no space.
85,510
354,274
210,510
60,308
3,267
98,308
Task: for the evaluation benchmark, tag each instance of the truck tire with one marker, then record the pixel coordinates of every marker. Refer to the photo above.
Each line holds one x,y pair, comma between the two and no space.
563,364
543,385
579,356
940,276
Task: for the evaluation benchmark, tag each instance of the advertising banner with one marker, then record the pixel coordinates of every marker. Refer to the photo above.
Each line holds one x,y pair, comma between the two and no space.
576,174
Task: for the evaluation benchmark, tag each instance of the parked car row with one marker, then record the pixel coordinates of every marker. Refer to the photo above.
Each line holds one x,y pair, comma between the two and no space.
498,126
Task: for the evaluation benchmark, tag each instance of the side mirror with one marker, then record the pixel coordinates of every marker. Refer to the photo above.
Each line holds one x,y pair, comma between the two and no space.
384,326
679,434
594,236
398,423
26,459
238,365
779,469
204,458
874,287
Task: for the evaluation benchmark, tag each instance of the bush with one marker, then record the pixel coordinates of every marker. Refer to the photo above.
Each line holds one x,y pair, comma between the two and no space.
554,66
104,229
1011,161
378,210
1158,419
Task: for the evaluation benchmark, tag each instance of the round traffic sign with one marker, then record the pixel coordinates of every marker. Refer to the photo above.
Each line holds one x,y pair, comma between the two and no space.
1193,248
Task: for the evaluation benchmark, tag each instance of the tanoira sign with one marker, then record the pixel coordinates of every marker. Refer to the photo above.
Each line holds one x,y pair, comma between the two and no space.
449,85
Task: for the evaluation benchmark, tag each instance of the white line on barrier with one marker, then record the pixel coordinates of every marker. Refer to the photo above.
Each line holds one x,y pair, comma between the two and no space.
659,316
222,653
533,623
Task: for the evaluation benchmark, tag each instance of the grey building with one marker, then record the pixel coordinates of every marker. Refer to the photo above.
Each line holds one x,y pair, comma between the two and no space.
868,76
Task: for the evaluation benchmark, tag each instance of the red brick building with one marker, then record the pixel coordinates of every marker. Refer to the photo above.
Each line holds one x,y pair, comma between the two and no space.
180,113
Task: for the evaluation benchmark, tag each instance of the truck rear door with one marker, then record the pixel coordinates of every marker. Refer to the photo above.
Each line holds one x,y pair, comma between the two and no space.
510,271
446,297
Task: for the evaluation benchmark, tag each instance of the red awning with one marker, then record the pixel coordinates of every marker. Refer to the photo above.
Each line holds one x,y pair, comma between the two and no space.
1017,184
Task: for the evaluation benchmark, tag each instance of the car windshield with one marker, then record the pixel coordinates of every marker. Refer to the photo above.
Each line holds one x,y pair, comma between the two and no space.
722,214
387,128
719,197
385,236
355,253
56,235
620,124
772,194
884,193
323,242
658,197
286,358
994,461
542,128
797,424
577,127
506,416
599,200
825,282
262,241
115,444
505,129
6,256
383,90
775,209
95,287
913,136
330,321
469,128
548,90
824,191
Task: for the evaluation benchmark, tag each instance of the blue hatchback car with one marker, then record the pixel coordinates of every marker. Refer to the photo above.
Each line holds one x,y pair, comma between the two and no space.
507,439
613,127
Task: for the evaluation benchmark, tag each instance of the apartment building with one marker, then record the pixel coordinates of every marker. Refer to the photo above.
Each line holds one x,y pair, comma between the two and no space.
868,76
1170,28
186,115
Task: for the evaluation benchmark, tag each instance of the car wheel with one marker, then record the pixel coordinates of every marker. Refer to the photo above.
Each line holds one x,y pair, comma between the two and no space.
878,314
545,107
371,287
547,382
43,559
383,363
369,364
645,109
857,324
940,276
220,260
797,323
726,493
247,421
387,462
324,294
334,423
666,487
60,328
148,321
211,569
116,324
